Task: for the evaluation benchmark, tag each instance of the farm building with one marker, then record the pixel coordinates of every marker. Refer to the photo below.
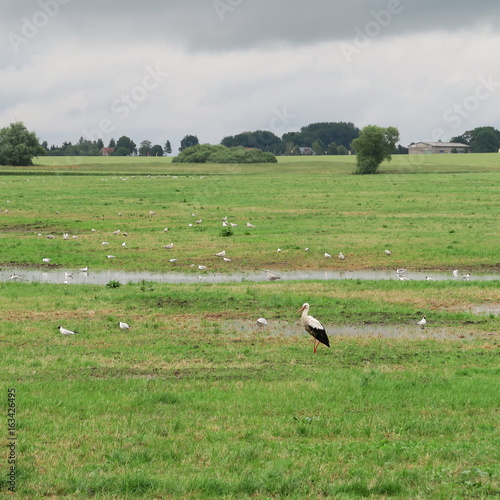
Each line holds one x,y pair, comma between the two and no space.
107,151
437,148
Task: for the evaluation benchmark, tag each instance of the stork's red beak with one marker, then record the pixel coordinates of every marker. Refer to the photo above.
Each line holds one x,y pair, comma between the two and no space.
301,309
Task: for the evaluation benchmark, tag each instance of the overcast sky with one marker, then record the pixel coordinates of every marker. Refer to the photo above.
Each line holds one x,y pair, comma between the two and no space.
161,69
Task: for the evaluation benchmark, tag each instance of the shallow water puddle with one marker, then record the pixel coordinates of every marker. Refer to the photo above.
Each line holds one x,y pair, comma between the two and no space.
284,329
100,277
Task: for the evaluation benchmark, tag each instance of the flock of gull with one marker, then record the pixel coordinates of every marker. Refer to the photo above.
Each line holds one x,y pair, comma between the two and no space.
310,324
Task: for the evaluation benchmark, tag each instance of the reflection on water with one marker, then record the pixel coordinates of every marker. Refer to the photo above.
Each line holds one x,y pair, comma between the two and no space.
124,277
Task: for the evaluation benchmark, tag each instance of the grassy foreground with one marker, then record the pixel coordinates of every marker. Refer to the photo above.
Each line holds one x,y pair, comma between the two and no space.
432,213
195,401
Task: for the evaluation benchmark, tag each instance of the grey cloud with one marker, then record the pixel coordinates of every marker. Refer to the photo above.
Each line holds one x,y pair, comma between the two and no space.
224,25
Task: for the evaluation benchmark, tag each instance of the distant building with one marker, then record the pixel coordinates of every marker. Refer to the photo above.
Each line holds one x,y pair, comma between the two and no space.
307,151
432,148
107,151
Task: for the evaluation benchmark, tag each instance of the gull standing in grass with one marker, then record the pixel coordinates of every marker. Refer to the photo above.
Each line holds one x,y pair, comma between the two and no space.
123,326
422,323
169,246
221,254
327,255
341,256
313,327
65,331
387,252
261,322
46,260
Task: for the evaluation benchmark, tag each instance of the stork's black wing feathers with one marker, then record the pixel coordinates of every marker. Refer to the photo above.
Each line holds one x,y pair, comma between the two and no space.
319,334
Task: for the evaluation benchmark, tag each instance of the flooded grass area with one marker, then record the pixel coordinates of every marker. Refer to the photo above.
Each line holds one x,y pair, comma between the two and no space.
101,277
276,329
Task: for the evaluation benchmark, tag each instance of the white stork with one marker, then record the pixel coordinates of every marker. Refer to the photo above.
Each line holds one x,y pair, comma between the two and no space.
313,327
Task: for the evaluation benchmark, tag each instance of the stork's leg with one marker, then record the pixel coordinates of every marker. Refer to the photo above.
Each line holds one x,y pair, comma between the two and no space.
316,344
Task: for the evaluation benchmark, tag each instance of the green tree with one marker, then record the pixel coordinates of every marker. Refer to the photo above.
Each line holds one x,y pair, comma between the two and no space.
122,151
156,150
112,143
208,153
18,146
124,143
259,139
373,146
189,141
167,148
145,148
317,147
481,139
485,140
333,149
341,133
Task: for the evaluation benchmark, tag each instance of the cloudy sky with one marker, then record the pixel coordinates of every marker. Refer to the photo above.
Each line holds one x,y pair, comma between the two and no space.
161,69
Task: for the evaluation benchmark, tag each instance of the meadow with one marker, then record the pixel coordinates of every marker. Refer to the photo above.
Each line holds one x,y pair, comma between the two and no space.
429,214
197,401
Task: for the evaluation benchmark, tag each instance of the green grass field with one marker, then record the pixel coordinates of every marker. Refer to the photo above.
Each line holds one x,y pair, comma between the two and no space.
442,217
195,401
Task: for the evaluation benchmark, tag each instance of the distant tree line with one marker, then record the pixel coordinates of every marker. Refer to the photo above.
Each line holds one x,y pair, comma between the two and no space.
124,146
481,139
18,146
331,138
322,138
